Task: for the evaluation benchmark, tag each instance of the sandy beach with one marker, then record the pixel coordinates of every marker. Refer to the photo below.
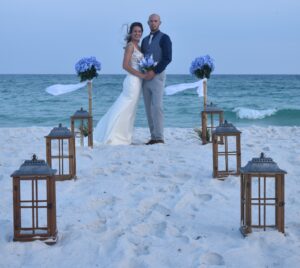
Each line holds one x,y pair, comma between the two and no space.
153,206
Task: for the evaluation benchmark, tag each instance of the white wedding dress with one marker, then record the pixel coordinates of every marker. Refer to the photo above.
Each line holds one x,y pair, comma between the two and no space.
116,126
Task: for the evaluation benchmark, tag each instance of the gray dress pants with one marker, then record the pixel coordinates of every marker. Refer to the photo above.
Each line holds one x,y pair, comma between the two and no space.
153,91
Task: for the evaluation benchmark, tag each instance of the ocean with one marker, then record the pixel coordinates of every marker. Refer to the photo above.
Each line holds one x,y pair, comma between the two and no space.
246,100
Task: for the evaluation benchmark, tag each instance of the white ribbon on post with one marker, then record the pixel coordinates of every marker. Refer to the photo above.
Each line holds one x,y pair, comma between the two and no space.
60,89
173,89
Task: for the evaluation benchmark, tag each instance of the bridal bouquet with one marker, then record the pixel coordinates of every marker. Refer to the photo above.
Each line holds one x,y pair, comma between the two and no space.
147,63
87,68
201,67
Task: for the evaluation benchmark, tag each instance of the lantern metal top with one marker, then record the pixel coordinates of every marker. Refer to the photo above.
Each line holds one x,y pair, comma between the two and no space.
34,167
81,114
226,128
60,132
212,108
262,164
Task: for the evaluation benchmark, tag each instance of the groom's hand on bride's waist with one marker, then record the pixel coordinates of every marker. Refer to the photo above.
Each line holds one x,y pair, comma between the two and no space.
149,75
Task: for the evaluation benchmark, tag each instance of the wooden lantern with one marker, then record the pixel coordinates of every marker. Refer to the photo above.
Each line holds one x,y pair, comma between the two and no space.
34,202
262,193
208,115
60,152
229,151
82,125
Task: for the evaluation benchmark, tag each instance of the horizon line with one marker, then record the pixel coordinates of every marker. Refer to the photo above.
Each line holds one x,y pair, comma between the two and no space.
167,74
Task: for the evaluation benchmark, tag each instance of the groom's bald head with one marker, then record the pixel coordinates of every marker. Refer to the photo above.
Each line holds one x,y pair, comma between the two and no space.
154,22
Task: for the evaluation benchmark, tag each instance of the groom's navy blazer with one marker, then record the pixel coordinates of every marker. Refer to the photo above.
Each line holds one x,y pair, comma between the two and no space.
165,45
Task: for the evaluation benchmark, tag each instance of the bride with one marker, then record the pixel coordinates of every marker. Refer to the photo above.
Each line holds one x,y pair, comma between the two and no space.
116,126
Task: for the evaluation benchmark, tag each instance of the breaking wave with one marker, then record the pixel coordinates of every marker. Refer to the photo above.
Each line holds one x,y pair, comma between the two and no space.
247,113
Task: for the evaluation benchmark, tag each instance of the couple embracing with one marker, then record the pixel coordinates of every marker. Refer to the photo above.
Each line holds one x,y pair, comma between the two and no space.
117,125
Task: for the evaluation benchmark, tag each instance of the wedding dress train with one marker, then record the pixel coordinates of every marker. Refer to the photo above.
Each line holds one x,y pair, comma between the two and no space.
117,125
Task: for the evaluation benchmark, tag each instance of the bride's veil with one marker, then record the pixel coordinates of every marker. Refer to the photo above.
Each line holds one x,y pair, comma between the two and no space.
124,33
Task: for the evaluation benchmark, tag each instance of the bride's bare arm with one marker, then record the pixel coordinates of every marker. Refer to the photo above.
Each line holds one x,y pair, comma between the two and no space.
126,61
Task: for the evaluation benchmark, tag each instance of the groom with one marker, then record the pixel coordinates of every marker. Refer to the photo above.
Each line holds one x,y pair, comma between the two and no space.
159,45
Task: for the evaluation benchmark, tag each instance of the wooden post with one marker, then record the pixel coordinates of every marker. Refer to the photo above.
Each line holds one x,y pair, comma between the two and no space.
90,132
72,154
248,221
215,155
204,117
90,97
81,133
238,153
280,202
204,93
204,127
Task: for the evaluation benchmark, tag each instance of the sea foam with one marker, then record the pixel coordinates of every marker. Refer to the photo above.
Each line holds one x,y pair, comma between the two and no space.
247,113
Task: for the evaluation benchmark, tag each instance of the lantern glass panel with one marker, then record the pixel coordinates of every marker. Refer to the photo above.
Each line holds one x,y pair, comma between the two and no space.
212,122
227,165
263,201
26,218
62,164
80,125
42,187
59,154
263,216
227,154
58,145
258,185
231,143
33,206
26,191
42,217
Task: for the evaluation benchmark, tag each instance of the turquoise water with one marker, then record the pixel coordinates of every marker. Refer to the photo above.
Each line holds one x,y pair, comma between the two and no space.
246,100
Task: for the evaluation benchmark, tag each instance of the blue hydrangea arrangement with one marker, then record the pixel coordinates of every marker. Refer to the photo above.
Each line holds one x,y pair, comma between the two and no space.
202,67
147,63
87,68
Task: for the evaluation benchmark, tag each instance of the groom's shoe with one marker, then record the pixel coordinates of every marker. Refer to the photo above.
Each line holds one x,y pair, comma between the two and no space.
151,142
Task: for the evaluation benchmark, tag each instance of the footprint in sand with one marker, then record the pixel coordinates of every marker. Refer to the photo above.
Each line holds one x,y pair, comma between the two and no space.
98,226
212,258
159,229
183,176
87,156
98,171
204,197
161,209
142,250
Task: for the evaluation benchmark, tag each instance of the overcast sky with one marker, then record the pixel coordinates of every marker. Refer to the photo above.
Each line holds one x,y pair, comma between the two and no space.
244,37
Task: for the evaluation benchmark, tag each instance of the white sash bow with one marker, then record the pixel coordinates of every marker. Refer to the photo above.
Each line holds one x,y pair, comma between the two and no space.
171,90
59,89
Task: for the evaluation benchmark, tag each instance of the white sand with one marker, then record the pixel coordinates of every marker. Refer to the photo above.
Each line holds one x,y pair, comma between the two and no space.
153,206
